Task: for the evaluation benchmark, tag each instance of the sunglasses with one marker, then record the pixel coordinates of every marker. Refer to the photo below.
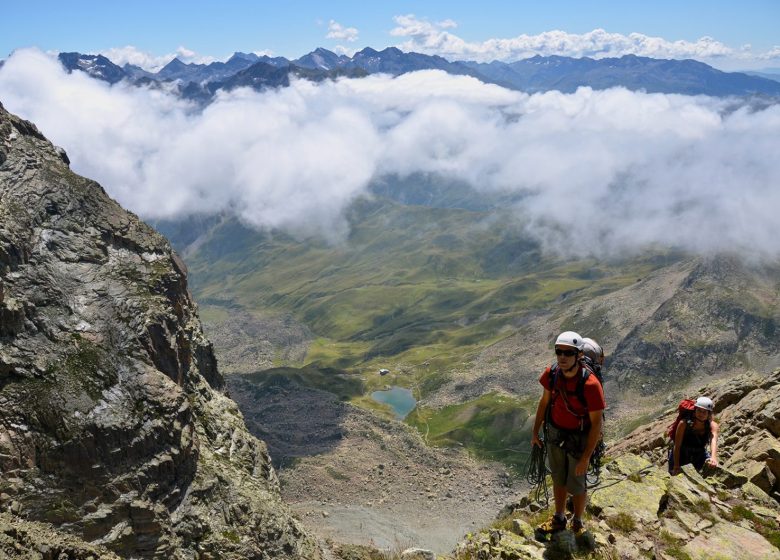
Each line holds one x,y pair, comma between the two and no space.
569,353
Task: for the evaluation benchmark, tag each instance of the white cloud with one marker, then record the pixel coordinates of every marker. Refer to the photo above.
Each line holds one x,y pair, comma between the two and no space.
433,38
341,33
152,63
347,51
773,54
610,170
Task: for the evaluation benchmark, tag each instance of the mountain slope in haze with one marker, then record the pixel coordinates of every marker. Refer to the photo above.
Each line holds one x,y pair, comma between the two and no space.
565,74
113,425
199,82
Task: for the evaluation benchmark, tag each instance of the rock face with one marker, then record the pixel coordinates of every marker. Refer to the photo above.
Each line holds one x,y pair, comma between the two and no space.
112,424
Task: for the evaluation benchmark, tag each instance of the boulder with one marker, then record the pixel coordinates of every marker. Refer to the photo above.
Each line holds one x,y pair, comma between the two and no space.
731,542
625,489
417,554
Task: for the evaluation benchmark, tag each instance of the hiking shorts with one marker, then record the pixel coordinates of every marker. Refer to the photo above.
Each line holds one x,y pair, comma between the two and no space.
563,451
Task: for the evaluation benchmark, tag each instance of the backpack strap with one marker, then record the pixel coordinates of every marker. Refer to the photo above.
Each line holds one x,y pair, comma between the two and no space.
580,390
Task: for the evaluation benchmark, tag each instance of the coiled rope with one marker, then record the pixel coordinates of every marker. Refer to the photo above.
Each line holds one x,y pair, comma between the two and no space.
536,469
536,473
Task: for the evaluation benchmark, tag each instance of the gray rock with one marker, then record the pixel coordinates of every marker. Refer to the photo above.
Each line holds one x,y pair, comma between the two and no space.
417,554
113,414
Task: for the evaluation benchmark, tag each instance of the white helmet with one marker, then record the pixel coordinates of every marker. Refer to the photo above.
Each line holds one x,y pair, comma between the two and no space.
705,403
569,338
592,349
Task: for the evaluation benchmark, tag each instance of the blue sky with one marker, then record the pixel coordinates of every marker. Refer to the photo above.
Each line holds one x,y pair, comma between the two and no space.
199,30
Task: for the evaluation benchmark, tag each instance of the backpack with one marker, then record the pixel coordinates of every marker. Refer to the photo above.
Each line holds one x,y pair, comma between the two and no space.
684,413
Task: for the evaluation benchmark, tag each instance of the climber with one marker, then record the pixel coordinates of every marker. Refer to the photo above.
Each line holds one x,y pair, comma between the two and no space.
692,436
572,427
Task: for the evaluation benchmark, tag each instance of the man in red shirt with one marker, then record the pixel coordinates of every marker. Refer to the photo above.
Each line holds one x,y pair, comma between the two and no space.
571,409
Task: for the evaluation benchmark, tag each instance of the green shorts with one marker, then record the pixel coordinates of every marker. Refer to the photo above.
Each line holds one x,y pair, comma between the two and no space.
563,462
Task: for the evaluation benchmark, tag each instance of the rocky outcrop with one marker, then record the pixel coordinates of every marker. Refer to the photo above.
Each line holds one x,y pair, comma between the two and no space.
112,424
30,540
747,408
638,510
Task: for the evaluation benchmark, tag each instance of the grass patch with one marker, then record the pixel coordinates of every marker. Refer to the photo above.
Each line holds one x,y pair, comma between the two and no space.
702,506
213,314
765,527
494,427
740,512
623,522
433,381
635,477
672,546
231,536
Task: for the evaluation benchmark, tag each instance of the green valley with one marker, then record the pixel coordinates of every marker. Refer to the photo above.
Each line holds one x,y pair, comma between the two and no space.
458,301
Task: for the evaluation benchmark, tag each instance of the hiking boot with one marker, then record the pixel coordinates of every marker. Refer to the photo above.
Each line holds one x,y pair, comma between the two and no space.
577,526
552,525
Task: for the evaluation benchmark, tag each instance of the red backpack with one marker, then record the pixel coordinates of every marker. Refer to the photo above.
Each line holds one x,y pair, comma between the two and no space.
684,412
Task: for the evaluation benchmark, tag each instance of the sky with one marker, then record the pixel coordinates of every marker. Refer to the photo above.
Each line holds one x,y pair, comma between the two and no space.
641,169
729,35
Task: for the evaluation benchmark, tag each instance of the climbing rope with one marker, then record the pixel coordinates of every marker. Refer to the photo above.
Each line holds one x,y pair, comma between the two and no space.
536,470
593,475
638,472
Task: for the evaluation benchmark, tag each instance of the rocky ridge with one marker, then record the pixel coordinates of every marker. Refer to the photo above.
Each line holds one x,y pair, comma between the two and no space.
113,425
639,511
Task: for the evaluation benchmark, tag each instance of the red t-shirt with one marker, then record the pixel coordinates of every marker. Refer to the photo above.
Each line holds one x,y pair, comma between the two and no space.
565,411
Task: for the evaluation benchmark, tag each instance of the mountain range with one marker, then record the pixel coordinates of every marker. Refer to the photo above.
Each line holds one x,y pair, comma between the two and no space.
200,82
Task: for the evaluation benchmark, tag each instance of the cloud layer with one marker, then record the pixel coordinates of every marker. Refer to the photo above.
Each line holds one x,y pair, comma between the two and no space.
603,171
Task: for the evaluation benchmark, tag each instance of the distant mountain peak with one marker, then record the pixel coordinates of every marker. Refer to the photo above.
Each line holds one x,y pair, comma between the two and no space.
251,57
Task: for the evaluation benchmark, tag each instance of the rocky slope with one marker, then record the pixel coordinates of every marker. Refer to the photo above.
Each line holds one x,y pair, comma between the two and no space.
356,477
113,428
748,410
640,511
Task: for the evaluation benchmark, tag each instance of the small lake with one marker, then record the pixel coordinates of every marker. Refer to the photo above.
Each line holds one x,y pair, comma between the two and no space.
399,399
